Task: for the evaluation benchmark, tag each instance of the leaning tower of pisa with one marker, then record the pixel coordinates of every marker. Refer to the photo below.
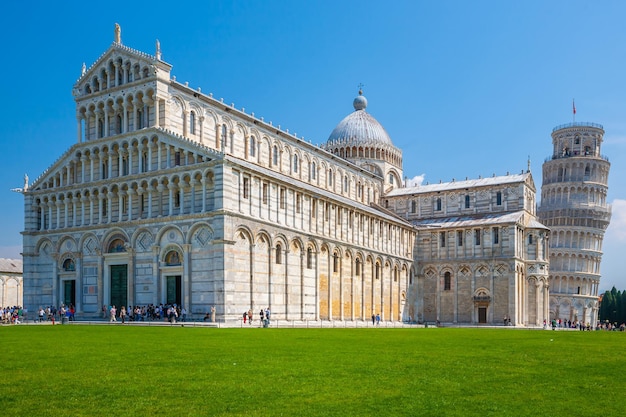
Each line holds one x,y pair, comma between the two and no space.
574,207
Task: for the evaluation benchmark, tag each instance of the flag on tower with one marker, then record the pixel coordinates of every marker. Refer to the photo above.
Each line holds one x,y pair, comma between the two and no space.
573,106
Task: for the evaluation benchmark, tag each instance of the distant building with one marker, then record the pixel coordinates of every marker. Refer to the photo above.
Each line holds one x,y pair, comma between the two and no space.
11,283
171,196
481,256
575,208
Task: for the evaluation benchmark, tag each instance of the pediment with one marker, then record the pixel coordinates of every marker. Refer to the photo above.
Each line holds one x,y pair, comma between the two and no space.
119,65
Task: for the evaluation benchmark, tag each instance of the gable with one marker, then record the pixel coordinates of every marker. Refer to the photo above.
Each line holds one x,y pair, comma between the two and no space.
119,66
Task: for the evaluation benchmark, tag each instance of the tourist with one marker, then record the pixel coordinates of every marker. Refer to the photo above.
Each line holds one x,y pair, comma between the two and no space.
245,317
378,319
267,316
373,319
113,313
262,317
250,317
123,314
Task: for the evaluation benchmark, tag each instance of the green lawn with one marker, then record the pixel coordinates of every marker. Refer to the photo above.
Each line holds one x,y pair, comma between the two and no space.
174,371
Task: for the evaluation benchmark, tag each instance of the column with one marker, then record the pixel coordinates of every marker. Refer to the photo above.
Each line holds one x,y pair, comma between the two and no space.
129,193
156,112
120,205
83,200
181,190
150,201
42,215
106,120
74,209
110,167
170,187
124,110
101,203
83,159
65,214
192,185
79,130
58,212
203,184
187,277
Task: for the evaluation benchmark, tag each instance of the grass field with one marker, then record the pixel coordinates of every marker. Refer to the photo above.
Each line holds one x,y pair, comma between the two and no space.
177,371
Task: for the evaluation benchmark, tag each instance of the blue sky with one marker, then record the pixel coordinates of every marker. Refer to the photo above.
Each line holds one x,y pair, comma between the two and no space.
465,89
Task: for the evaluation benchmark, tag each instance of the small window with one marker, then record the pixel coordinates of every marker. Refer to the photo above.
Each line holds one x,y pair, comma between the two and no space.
377,271
413,207
176,200
177,159
530,239
192,123
330,178
442,239
459,238
357,267
447,281
265,194
467,201
496,235
224,137
499,198
313,208
335,262
345,184
298,203
252,146
275,155
295,164
313,171
282,198
477,236
279,254
438,205
309,258
246,187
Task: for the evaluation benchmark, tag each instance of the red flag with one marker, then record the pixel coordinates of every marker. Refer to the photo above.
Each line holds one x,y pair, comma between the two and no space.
573,107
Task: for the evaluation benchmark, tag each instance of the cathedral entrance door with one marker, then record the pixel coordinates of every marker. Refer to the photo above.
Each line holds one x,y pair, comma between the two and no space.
69,292
482,314
174,293
119,285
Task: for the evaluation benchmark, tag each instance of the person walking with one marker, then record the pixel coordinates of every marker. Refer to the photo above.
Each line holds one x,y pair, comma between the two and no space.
113,313
123,314
250,315
245,317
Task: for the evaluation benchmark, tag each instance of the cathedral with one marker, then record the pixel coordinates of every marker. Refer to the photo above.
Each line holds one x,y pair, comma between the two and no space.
169,196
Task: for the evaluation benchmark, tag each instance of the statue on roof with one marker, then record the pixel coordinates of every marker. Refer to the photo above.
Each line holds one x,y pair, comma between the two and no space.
118,33
158,49
25,182
83,70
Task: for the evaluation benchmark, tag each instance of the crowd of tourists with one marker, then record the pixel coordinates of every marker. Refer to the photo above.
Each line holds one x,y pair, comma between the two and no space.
12,315
151,312
578,325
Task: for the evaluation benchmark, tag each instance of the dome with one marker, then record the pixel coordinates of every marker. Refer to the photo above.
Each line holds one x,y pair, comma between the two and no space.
359,127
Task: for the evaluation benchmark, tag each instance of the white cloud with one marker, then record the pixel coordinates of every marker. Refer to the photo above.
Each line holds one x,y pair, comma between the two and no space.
415,181
617,228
